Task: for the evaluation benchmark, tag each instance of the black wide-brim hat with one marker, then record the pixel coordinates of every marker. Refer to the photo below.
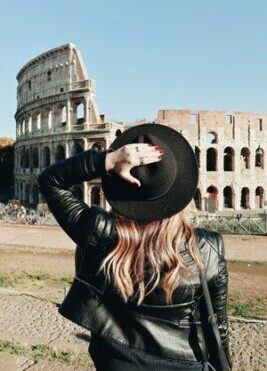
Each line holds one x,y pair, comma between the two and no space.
167,186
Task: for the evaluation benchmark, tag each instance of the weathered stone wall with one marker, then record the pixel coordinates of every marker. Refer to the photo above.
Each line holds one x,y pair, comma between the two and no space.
231,151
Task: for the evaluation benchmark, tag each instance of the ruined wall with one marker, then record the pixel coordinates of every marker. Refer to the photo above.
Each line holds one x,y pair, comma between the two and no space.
231,151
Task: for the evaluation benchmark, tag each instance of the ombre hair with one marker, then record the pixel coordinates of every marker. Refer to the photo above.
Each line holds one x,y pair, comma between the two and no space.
157,244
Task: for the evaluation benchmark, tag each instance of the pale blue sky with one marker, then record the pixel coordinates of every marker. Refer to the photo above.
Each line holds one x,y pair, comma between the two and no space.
145,55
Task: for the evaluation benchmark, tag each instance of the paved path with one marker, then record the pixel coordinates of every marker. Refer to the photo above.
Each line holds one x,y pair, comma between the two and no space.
239,247
29,321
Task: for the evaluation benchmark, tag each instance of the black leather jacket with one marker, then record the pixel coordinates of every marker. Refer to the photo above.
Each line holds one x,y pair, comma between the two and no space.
167,331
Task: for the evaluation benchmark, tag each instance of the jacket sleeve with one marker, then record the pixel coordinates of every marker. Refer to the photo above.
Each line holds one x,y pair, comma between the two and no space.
75,217
219,293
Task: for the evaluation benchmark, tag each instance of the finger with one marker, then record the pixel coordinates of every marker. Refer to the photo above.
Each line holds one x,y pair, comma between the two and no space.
129,178
145,150
143,160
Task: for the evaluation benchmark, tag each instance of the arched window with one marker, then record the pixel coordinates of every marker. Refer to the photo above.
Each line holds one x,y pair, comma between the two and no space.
211,159
49,119
35,195
27,194
38,121
229,159
95,196
64,116
245,198
46,156
227,197
197,199
60,153
35,158
80,113
259,198
245,158
212,138
27,159
211,198
259,158
76,148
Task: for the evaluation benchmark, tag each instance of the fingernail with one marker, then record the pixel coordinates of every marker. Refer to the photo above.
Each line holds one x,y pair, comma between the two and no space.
160,157
161,151
157,147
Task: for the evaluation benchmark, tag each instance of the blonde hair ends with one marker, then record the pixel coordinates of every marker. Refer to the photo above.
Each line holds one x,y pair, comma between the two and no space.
155,245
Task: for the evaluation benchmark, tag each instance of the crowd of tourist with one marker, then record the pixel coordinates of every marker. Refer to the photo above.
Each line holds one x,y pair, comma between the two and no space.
14,212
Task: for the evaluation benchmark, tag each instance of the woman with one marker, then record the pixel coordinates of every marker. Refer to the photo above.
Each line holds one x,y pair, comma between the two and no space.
137,286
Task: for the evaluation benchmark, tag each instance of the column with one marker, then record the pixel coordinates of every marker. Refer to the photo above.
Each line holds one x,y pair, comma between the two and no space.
236,201
220,199
68,112
86,110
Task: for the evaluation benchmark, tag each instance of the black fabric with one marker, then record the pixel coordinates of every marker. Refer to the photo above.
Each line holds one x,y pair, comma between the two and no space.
109,355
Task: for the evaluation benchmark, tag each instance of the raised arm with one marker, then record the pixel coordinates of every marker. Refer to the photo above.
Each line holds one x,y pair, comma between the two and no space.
72,214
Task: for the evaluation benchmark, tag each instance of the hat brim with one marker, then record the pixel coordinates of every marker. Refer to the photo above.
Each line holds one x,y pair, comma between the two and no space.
183,188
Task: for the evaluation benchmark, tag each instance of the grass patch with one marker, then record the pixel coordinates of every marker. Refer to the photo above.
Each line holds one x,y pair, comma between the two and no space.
247,308
40,351
13,281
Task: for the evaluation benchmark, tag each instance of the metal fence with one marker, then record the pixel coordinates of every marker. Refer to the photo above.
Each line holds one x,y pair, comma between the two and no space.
234,224
255,224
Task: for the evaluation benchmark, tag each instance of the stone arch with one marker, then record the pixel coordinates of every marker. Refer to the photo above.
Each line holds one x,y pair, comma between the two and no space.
259,197
211,198
35,157
212,137
229,159
22,158
27,158
198,199
35,194
80,112
245,198
228,197
98,146
211,159
76,148
29,124
60,153
197,155
21,191
49,118
245,158
46,156
259,158
63,116
95,196
38,121
27,193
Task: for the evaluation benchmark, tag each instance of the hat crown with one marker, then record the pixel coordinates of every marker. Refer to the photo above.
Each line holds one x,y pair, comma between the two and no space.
156,178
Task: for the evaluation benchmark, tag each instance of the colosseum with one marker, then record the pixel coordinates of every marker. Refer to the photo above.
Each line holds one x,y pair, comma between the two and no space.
57,116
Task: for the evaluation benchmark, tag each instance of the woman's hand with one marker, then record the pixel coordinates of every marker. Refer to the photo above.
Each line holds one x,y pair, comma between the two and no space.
122,160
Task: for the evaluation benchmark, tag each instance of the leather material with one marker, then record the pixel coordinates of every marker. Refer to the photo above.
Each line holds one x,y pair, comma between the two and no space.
169,331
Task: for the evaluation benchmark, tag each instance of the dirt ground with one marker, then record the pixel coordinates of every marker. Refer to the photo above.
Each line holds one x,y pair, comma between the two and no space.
43,273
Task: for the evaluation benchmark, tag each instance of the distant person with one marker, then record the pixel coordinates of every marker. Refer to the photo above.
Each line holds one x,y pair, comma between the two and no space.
137,286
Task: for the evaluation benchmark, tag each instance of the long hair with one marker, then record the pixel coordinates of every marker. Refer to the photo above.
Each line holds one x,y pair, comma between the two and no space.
155,244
